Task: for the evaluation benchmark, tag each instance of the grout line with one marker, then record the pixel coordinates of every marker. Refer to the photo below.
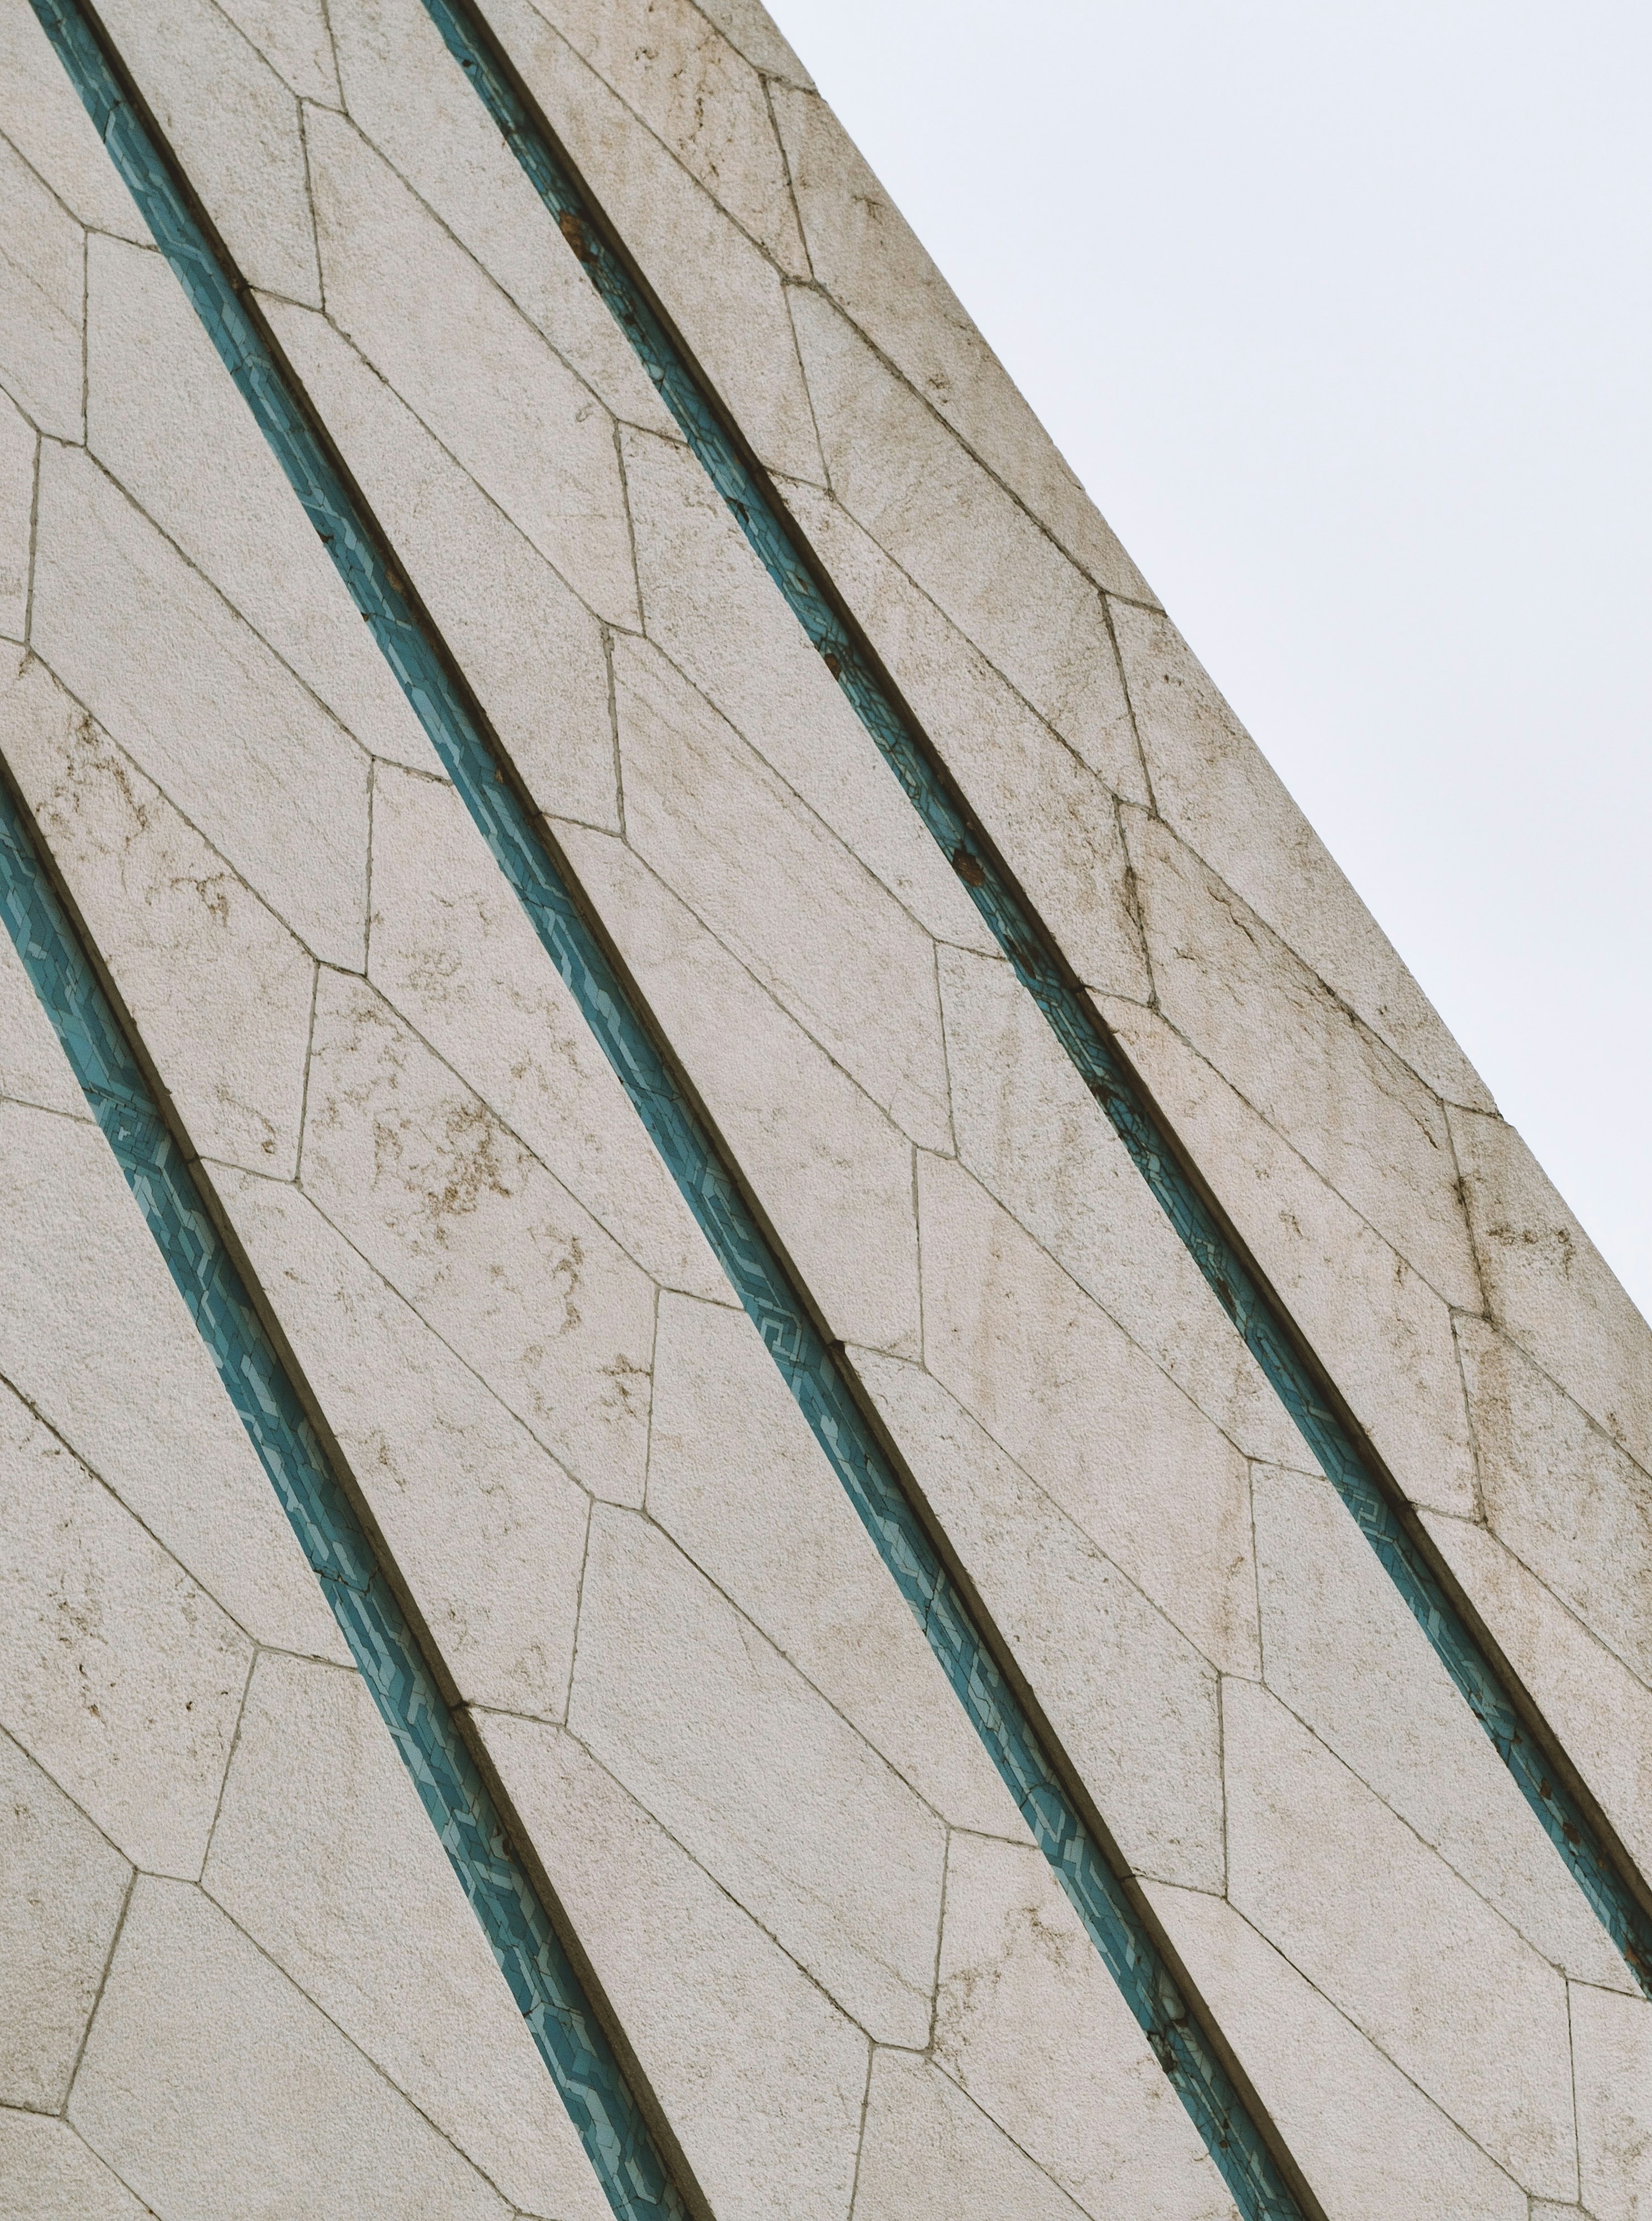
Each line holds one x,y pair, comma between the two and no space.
102,1984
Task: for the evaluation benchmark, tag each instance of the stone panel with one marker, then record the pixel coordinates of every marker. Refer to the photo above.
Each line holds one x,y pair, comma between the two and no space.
47,2174
243,145
62,1891
738,326
213,2086
866,257
42,280
468,363
323,1856
107,589
714,1732
761,2076
1371,2143
1029,2025
118,1676
94,1338
17,456
401,89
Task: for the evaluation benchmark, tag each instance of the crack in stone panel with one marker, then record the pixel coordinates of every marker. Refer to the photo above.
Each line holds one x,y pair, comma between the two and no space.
812,1370
547,1990
1032,951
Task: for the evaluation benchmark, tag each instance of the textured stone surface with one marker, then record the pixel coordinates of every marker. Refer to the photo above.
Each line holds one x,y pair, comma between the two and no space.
244,145
760,2074
531,650
62,1890
836,1176
1614,2040
1218,791
735,1479
403,90
1341,1649
1550,1288
1387,1952
1370,2141
1057,1384
412,1167
1132,1698
709,604
1028,2023
133,851
93,1336
1382,1332
17,452
118,1675
481,1520
716,1733
108,591
33,1067
46,2173
471,367
700,98
42,264
898,474
1033,1136
319,1838
1051,816
47,122
771,1832
807,921
215,2087
737,327
1601,1712
293,35
929,2154
156,390
454,953
867,258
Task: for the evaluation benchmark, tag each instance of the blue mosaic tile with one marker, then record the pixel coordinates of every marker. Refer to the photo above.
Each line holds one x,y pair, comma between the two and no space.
1031,950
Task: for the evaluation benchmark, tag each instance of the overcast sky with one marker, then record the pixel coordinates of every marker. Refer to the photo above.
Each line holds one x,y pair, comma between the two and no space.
1343,313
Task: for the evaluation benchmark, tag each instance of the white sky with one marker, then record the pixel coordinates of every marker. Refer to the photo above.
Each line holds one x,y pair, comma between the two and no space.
1343,313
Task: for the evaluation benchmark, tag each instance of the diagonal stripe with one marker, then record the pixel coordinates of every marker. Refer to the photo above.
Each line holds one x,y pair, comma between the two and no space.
547,1990
1272,1340
812,1371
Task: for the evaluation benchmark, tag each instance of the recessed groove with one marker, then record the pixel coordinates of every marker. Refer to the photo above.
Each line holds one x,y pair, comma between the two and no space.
1528,1747
548,1995
1240,2144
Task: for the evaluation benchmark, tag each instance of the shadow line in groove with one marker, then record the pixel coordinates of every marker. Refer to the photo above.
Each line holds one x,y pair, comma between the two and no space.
1263,2180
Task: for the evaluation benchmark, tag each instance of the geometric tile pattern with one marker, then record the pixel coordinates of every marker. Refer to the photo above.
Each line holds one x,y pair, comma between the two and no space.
1267,1335
548,1991
627,2161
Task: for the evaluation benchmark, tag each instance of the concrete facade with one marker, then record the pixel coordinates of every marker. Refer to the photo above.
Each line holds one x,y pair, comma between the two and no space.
238,1975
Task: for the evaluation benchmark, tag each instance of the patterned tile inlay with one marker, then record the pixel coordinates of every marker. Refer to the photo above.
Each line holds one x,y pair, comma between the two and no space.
630,2167
1031,949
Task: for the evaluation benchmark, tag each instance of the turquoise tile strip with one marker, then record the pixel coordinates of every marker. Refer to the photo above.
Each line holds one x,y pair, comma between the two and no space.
547,1990
810,1369
1032,949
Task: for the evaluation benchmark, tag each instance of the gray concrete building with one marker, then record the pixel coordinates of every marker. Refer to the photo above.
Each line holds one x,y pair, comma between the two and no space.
780,1439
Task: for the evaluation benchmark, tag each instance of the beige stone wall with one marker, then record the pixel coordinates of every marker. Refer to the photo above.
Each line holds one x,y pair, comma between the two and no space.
242,1968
